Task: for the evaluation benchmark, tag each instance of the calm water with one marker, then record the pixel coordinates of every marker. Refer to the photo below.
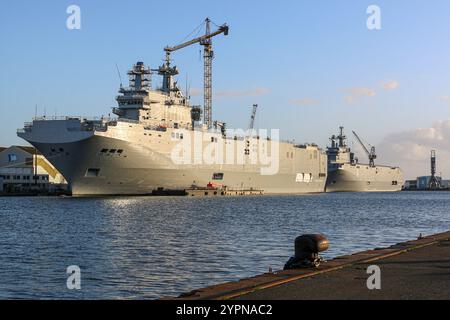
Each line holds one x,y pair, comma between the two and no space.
149,247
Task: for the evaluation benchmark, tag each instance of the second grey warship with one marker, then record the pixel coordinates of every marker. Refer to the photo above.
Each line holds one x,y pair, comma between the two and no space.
345,173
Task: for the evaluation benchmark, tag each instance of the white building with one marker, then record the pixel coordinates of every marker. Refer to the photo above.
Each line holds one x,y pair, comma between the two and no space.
24,168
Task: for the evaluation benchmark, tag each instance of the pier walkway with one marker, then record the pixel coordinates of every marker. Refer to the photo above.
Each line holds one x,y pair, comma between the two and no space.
418,269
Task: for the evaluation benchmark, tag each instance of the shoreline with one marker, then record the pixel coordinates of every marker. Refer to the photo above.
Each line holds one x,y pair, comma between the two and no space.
244,193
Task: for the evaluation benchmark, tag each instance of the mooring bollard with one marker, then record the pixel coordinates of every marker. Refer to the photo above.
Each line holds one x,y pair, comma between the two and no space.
307,248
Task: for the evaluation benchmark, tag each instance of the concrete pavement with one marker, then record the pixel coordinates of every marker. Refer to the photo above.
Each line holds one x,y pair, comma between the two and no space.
418,269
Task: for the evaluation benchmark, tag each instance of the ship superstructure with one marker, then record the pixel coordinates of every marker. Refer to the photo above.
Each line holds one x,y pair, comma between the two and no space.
345,173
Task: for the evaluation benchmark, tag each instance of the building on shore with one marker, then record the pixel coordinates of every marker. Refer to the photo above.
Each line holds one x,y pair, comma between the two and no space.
410,185
423,183
24,169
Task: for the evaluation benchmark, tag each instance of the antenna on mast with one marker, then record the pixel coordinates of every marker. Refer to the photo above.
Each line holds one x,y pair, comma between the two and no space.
120,77
187,88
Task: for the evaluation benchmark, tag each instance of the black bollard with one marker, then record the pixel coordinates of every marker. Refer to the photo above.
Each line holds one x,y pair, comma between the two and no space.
307,249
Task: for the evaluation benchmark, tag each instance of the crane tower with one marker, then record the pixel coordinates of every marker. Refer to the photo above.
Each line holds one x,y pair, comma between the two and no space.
434,182
250,129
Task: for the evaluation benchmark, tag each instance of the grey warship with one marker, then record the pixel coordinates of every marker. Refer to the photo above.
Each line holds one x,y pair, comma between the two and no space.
135,152
346,174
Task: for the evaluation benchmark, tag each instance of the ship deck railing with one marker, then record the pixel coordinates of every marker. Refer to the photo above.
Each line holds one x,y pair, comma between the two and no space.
81,118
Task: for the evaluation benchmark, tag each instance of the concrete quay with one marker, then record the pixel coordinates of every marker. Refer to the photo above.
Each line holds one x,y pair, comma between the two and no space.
418,269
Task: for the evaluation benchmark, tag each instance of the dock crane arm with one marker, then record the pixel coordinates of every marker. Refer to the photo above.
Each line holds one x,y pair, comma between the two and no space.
222,29
370,154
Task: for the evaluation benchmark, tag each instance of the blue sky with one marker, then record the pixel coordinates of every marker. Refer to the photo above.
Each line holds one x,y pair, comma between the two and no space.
310,65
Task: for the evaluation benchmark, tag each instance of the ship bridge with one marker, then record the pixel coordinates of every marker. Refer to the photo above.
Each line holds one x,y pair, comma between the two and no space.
139,87
165,107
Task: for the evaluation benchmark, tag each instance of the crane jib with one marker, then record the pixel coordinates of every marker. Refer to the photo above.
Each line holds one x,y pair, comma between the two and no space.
223,29
370,154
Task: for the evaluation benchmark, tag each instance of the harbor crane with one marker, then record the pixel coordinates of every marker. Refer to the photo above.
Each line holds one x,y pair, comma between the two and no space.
252,118
370,154
434,182
250,128
208,55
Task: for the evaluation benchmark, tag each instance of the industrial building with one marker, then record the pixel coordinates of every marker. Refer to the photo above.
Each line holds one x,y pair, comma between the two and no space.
431,182
423,183
24,169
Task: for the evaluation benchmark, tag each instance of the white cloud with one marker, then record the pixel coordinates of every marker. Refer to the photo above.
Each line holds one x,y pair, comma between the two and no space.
411,149
390,85
445,99
354,94
303,101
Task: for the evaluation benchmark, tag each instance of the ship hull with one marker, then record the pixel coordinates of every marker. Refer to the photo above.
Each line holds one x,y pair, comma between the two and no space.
143,168
363,178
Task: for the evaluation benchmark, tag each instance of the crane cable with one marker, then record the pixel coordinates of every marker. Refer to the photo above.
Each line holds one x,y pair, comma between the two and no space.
197,29
214,23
